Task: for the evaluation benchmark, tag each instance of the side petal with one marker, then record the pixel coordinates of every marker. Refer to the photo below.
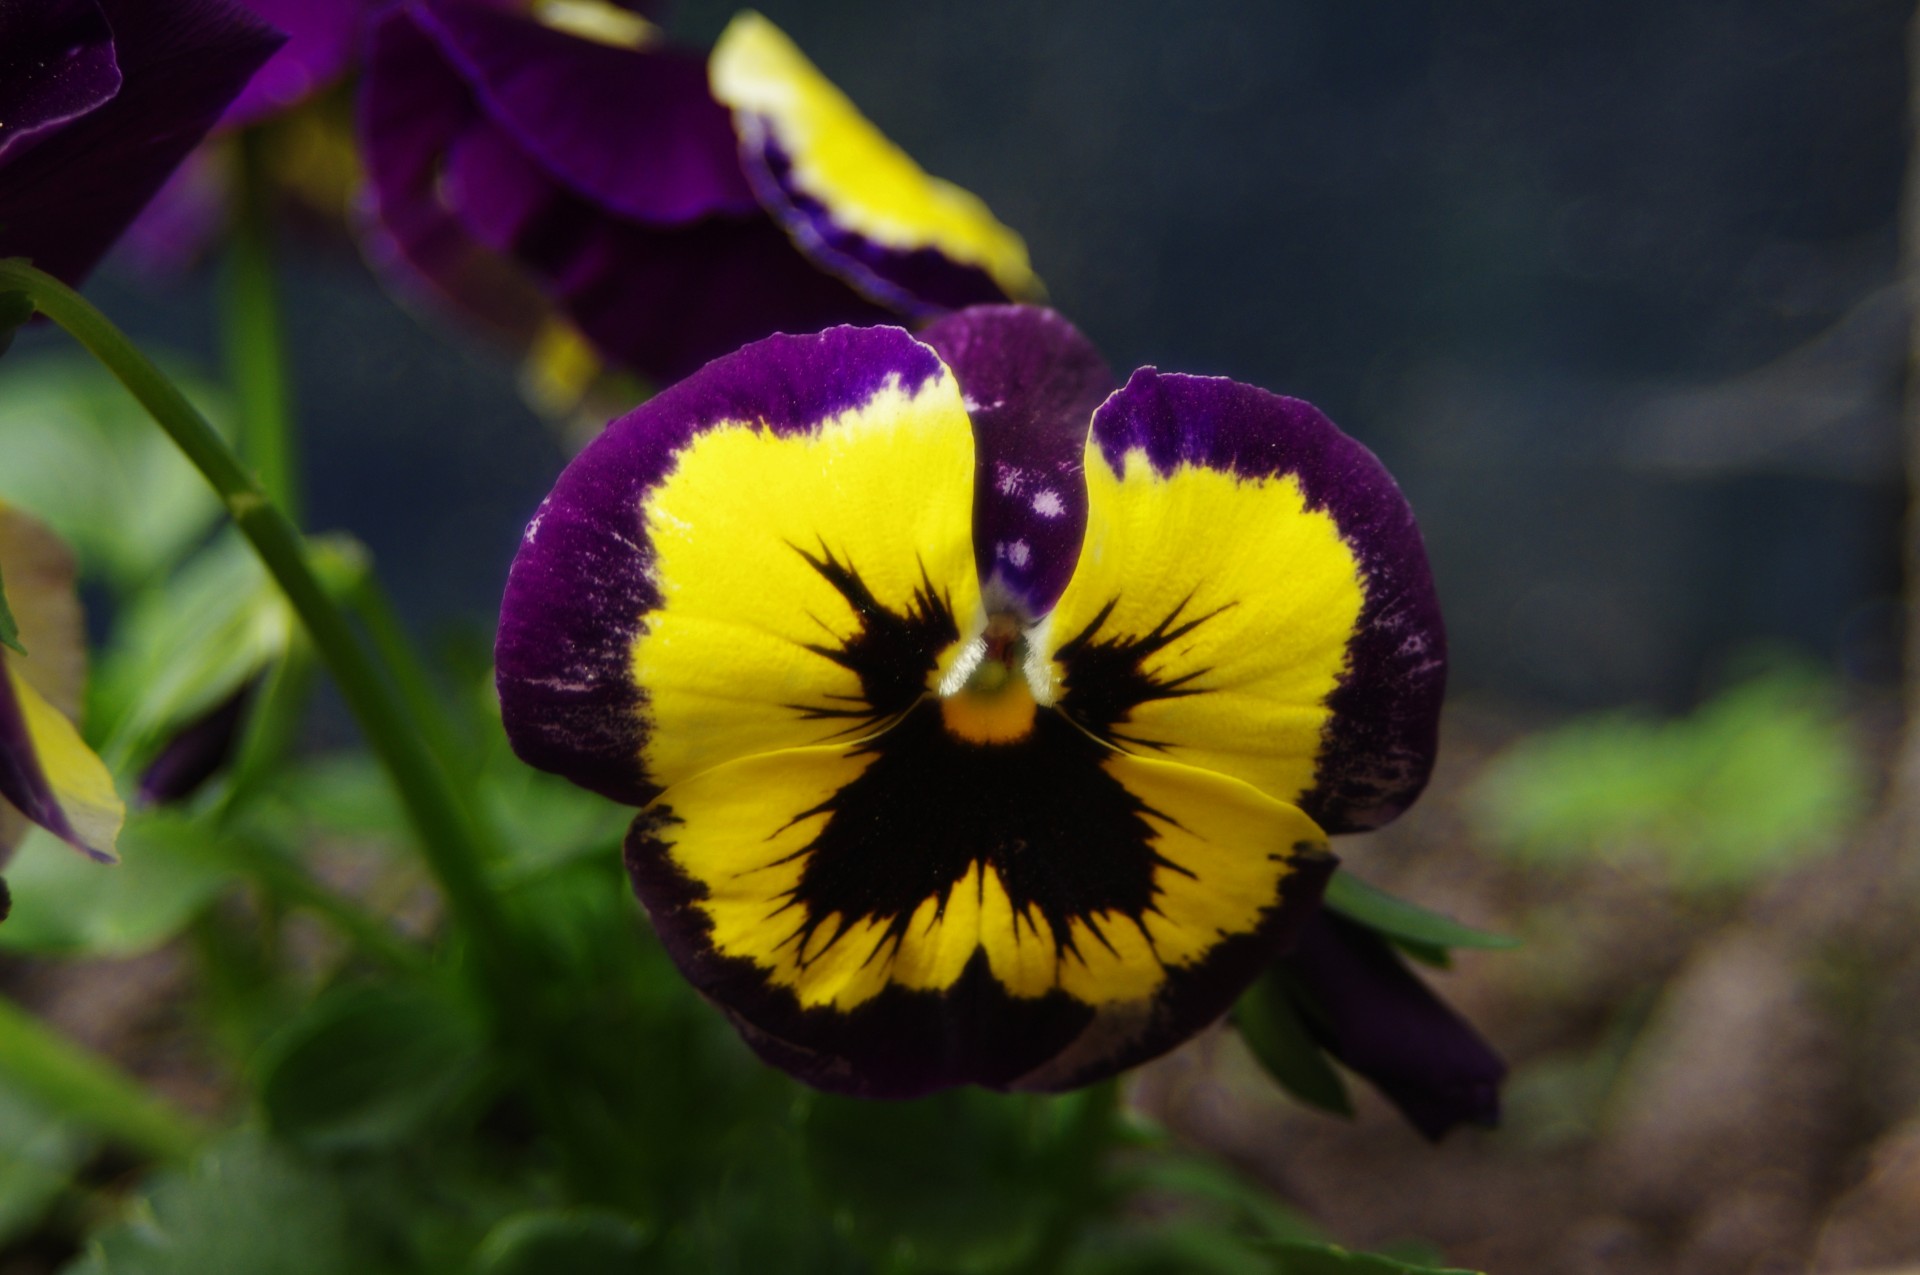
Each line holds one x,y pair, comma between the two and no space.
851,199
1253,599
41,579
56,64
634,131
918,912
1031,383
48,774
770,554
67,197
320,40
1366,1008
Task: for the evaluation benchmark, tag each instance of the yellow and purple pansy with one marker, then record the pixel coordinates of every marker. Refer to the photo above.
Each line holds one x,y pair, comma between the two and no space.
48,775
671,208
990,722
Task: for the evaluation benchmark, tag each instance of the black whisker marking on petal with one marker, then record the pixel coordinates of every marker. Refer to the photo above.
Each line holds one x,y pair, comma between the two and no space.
1106,677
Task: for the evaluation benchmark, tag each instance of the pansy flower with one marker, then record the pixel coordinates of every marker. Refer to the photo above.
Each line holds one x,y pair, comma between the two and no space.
48,775
669,209
989,723
99,101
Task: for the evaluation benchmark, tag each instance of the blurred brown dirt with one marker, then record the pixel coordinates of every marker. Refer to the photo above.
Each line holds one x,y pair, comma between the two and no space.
1727,1087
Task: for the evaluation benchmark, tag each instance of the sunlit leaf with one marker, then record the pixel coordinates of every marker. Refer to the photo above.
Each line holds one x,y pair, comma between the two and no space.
84,456
1762,777
1305,1258
170,868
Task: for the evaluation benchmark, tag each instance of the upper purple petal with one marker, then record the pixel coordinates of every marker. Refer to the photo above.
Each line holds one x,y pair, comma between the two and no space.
1370,1011
582,580
1031,382
56,64
1378,746
462,210
320,44
635,131
66,198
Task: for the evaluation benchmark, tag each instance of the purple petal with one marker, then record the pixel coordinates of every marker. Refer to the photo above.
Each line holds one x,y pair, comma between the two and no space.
1371,1012
1031,382
320,44
583,579
412,109
634,131
65,199
461,211
1377,749
56,64
197,751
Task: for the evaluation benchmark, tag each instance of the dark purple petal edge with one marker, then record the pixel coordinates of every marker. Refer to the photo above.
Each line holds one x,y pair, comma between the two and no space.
1378,747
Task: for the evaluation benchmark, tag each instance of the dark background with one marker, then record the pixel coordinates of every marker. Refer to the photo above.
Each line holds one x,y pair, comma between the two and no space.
1603,284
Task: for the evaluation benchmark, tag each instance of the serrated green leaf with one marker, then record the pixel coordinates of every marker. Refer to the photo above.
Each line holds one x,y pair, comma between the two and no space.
1275,1033
369,1066
963,1180
170,868
1398,919
9,627
246,1206
1293,1257
573,1241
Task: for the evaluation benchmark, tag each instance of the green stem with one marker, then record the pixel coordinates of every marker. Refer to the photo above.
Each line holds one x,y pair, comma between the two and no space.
88,1089
255,339
1086,1143
374,609
451,839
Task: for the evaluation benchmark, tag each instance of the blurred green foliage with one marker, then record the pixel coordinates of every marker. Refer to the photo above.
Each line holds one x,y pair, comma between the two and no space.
1762,777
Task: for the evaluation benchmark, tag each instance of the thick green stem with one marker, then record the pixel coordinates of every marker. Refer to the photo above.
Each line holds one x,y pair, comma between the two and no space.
374,609
89,1090
1088,1139
255,338
451,839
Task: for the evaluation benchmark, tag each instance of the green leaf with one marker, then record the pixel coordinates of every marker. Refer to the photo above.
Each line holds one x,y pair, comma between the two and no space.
170,868
369,1066
189,645
83,456
960,1181
573,1241
1302,1258
1406,922
245,1207
9,627
39,1153
1275,1033
1763,777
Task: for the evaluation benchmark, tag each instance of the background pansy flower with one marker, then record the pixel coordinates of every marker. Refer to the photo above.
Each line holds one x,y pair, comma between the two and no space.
990,727
48,775
670,213
99,101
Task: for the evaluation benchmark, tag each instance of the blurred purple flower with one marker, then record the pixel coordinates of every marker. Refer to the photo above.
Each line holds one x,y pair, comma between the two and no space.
99,101
511,162
1365,1007
319,48
197,751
